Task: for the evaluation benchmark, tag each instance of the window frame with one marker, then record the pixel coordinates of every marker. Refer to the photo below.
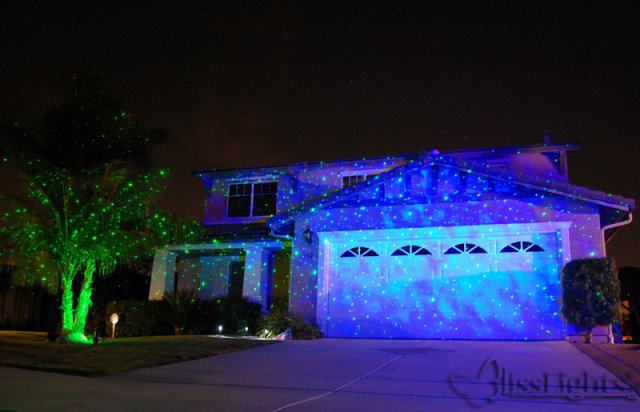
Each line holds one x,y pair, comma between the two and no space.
359,252
418,251
364,177
252,182
499,164
365,173
520,247
475,249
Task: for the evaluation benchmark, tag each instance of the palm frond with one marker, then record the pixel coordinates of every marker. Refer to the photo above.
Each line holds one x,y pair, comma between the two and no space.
65,221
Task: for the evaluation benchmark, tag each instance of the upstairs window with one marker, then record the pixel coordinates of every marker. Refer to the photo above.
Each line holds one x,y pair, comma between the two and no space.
352,180
464,248
252,199
521,247
264,199
499,164
239,204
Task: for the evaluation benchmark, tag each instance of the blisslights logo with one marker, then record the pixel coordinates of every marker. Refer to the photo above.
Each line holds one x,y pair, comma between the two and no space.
493,382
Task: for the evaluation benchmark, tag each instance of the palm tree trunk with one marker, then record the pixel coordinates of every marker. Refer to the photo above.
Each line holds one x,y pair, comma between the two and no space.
67,304
84,299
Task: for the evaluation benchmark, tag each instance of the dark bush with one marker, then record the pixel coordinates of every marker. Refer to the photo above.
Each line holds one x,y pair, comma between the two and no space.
278,321
137,318
630,295
236,315
590,293
96,322
145,318
239,313
181,309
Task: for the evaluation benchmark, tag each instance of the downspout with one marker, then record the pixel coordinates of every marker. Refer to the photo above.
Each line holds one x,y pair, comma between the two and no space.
628,220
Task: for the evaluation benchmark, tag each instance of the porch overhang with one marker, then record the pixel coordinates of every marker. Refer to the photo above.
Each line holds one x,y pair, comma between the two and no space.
256,269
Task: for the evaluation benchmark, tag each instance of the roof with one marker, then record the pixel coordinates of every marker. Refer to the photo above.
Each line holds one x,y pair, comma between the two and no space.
460,152
484,169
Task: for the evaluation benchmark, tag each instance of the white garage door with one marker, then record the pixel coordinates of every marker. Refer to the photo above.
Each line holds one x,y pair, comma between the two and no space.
473,287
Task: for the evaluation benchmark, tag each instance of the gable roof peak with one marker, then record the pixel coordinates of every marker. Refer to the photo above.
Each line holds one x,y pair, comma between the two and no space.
469,166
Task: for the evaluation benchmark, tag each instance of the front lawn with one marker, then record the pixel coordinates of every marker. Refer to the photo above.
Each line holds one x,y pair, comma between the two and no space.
31,351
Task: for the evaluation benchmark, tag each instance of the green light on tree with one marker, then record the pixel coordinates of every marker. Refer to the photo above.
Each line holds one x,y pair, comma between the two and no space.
66,227
83,211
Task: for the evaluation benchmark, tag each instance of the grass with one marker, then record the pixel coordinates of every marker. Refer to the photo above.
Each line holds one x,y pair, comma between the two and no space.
30,350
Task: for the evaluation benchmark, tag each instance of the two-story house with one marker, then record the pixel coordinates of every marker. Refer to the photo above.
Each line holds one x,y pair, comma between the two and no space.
461,244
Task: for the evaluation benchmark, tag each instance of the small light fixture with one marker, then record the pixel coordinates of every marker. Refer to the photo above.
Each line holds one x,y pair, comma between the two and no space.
306,235
220,329
113,319
246,330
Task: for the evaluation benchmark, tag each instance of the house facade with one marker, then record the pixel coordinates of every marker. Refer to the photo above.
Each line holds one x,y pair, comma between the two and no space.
465,244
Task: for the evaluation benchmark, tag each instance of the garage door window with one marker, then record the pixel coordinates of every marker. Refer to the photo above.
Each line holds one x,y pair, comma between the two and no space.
464,248
521,247
359,251
411,250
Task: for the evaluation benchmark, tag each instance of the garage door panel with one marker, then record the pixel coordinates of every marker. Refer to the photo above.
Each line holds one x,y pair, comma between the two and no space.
497,306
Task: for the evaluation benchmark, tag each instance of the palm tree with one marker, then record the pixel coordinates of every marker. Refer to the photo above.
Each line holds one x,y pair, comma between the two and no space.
66,226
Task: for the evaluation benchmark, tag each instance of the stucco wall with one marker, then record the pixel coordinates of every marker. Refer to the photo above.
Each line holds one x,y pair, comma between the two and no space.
584,233
297,183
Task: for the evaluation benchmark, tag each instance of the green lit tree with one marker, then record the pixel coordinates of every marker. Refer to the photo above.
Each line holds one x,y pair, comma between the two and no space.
590,293
67,227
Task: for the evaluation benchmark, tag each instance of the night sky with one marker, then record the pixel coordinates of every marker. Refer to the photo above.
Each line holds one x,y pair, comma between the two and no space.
268,83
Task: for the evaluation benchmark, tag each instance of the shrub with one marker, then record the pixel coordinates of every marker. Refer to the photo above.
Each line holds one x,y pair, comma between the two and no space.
97,322
278,321
184,314
137,318
590,293
180,310
630,291
237,313
233,313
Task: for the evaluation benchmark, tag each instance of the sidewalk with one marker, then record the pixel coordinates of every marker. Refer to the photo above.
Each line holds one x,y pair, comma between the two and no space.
621,360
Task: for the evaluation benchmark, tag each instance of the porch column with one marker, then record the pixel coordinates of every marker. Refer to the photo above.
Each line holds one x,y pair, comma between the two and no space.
163,274
256,276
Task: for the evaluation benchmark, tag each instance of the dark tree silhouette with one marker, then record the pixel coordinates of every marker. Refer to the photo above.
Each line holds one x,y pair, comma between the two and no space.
630,292
88,130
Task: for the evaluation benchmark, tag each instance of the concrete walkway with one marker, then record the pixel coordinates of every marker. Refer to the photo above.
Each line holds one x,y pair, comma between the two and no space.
622,360
336,374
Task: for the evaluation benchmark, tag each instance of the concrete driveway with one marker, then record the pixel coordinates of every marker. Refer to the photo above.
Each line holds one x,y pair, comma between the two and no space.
340,374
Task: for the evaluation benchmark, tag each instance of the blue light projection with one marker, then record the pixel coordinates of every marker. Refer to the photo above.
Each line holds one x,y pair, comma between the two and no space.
464,245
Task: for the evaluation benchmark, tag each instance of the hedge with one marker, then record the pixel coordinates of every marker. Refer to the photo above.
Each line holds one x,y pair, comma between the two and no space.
145,318
138,318
279,321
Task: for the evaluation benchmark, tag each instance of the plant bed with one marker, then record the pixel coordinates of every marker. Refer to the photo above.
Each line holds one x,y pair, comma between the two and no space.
32,351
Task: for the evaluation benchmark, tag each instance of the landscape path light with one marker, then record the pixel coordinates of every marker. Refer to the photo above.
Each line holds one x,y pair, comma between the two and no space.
113,319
